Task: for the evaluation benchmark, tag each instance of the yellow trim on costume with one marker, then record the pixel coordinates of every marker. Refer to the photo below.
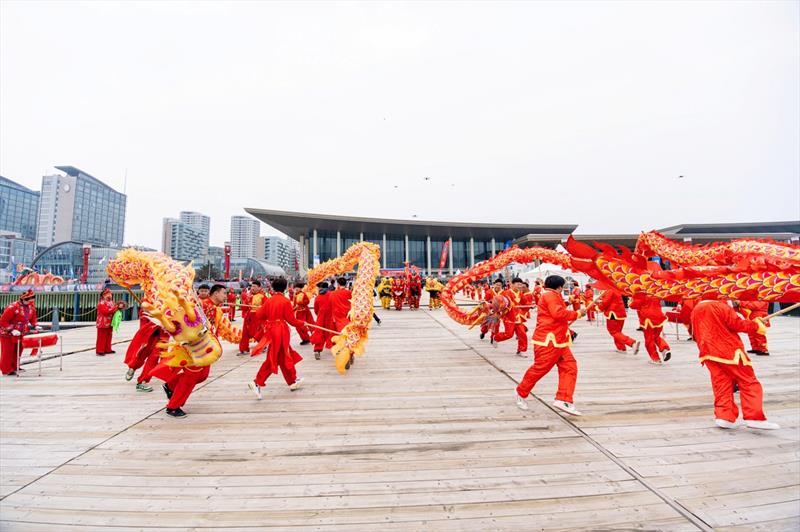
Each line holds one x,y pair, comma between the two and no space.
738,356
650,325
550,339
611,316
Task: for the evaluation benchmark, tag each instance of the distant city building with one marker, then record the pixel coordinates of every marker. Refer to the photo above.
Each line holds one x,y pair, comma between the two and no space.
281,252
14,250
184,242
200,222
19,209
216,256
79,207
244,235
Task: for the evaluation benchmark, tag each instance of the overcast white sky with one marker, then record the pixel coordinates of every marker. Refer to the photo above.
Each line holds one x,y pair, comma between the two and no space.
536,112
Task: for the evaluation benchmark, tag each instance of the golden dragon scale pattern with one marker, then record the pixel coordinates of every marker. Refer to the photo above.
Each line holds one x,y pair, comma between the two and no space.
170,302
353,338
652,244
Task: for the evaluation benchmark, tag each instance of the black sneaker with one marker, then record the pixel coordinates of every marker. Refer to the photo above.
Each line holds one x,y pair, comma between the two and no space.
109,352
167,390
483,335
317,354
735,388
762,353
100,354
573,334
752,351
175,412
305,342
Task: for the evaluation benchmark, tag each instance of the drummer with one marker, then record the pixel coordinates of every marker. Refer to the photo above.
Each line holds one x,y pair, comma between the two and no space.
17,320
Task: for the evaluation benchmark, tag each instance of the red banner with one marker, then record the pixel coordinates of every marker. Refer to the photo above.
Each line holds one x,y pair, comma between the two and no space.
445,248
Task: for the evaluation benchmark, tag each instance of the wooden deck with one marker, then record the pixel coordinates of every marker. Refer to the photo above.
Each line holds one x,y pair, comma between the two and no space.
422,434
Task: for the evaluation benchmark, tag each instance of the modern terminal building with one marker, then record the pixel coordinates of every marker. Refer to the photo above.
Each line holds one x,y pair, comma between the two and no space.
421,243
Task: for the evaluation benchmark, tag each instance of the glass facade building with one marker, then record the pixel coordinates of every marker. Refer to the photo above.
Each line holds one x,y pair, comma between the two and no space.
19,209
324,237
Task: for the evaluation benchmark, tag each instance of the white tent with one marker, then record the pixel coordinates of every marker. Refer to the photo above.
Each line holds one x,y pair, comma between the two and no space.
545,269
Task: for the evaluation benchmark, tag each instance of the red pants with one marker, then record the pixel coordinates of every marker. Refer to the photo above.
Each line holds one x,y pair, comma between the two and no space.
321,339
654,342
509,330
181,381
576,306
758,342
750,393
247,332
590,313
285,363
545,357
621,340
232,312
10,349
150,363
398,303
305,316
147,357
485,328
103,344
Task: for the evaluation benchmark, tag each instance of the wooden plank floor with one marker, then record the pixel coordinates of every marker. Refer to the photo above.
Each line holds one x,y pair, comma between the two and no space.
422,434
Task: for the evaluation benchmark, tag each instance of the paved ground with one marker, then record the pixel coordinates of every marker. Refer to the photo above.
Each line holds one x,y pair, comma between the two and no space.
422,434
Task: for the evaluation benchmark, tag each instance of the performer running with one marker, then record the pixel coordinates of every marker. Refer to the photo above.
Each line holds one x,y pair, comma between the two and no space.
322,308
106,308
340,309
251,326
551,341
513,321
142,352
752,310
613,307
489,294
685,314
715,326
17,320
302,312
652,320
588,297
277,314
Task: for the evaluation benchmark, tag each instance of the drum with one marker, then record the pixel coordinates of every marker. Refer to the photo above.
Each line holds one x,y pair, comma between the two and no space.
35,341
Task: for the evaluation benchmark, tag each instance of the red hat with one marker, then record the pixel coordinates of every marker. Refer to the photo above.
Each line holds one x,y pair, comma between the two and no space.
105,291
27,294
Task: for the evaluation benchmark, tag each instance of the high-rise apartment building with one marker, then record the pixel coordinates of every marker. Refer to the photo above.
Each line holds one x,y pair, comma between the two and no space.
244,234
200,222
19,209
80,207
184,242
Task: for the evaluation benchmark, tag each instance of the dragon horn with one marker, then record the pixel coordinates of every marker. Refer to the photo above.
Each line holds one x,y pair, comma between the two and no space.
188,308
158,315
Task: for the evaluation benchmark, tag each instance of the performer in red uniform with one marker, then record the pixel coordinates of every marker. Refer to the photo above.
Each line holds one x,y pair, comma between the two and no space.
537,290
588,297
752,310
716,327
106,308
231,305
179,383
613,307
340,308
17,320
551,341
414,291
575,296
322,308
202,292
526,301
398,292
652,320
513,321
251,326
277,314
142,352
302,313
495,289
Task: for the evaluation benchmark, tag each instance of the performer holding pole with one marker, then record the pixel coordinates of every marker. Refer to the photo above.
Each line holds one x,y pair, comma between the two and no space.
17,320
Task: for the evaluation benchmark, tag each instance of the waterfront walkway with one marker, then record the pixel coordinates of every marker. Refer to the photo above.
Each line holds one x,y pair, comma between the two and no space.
422,434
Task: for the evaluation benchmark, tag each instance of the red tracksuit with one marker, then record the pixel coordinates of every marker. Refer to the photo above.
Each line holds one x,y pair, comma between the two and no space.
612,306
575,297
716,326
105,311
752,310
488,295
513,322
303,314
322,308
340,307
551,341
252,326
277,314
652,320
588,297
16,317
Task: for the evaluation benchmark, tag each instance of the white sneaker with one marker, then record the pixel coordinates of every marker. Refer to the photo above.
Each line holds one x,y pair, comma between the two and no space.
297,384
655,362
129,374
636,345
665,355
569,408
621,351
724,424
764,425
255,388
522,404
